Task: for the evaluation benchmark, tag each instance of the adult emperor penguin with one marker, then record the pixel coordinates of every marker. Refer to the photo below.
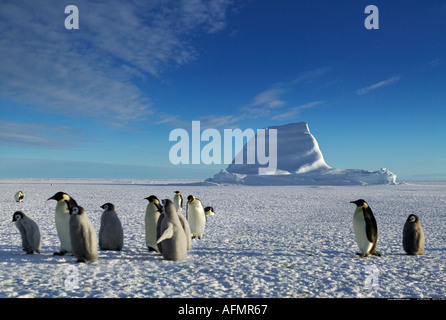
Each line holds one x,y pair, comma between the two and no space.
195,216
178,202
173,238
153,212
365,228
30,232
18,197
111,234
209,211
83,236
413,236
62,218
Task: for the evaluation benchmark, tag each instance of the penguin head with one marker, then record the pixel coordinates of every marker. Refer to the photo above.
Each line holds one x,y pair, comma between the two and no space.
412,218
108,206
190,198
17,216
153,198
77,210
60,196
209,211
177,192
168,205
360,203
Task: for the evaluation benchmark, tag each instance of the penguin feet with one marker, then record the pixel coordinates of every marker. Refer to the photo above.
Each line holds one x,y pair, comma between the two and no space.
364,255
59,253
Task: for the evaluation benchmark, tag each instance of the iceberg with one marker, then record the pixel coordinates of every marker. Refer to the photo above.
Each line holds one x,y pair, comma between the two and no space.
299,162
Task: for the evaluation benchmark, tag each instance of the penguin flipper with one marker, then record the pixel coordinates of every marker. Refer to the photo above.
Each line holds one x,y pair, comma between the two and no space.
167,234
87,239
371,226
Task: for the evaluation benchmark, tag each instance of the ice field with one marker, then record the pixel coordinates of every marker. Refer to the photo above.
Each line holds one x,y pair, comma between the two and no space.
263,242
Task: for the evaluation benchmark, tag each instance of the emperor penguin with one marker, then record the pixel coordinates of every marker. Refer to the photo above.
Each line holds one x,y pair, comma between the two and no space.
365,228
111,234
178,202
83,236
195,216
209,211
184,224
153,212
62,218
30,232
18,197
413,236
173,238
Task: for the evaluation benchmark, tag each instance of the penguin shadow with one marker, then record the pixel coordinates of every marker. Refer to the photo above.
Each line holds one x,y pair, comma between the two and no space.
204,251
140,254
17,255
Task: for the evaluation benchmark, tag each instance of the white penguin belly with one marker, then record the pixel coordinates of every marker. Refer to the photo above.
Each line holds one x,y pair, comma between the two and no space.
360,233
62,219
197,221
151,220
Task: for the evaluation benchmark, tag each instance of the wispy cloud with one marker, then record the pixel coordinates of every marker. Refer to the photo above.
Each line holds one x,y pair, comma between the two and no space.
378,85
219,121
294,112
96,70
266,101
271,101
311,75
38,136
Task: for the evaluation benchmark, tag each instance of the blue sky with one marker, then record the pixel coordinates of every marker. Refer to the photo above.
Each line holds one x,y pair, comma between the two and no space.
100,101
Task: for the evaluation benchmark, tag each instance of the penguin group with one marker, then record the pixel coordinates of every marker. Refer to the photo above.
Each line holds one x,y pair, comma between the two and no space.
167,231
170,233
366,231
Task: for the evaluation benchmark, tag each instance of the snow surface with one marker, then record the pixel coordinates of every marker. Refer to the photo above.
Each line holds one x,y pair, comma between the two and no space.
266,242
299,162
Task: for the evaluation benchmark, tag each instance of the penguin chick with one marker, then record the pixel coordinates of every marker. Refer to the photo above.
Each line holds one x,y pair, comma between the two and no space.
365,228
83,236
30,232
173,238
184,224
195,216
111,234
413,236
62,219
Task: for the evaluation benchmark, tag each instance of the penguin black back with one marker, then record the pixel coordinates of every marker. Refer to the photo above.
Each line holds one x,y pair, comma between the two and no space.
371,225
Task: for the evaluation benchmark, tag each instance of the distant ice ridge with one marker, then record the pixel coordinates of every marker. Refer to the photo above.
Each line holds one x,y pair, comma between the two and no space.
299,162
